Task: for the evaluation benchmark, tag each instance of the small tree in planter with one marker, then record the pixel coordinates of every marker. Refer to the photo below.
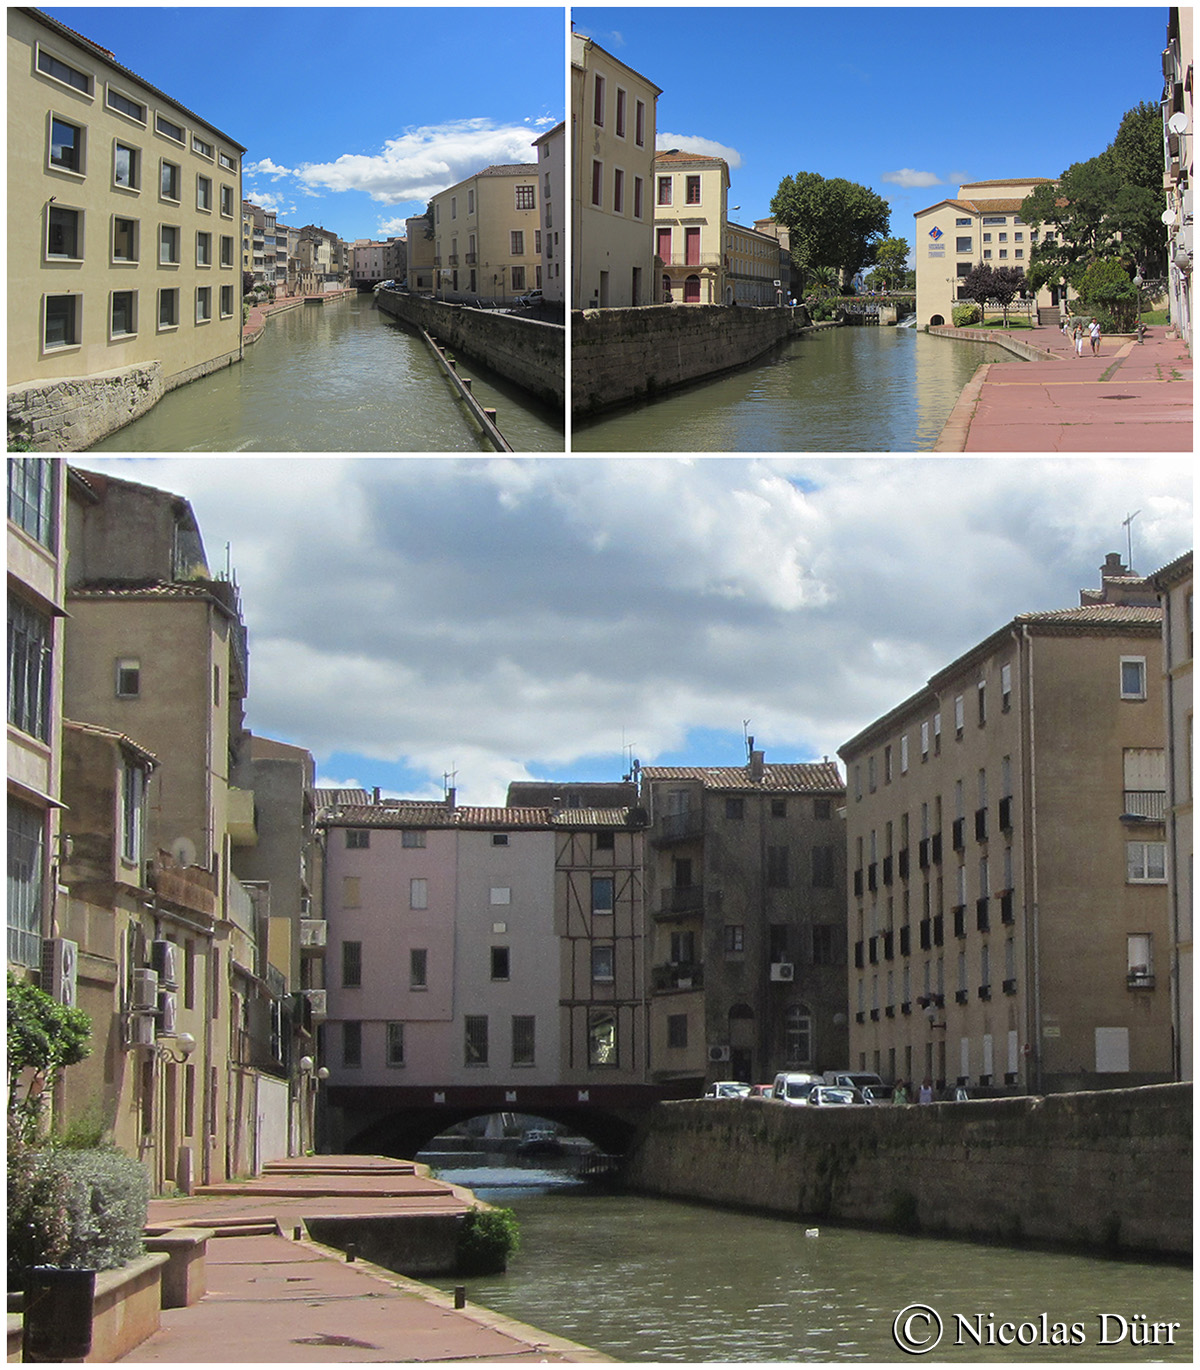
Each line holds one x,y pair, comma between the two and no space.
486,1239
44,1037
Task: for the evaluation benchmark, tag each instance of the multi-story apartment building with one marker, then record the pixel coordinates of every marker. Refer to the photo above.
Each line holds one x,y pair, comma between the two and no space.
1008,912
782,238
419,246
122,218
552,165
613,123
1179,113
981,226
752,272
745,890
487,235
690,216
1174,586
322,260
36,613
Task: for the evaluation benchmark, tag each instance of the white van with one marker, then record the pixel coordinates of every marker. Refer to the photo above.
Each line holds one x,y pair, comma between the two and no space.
792,1086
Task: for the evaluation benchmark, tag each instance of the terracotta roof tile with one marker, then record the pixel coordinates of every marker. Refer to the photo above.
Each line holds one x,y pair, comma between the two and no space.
818,777
1110,615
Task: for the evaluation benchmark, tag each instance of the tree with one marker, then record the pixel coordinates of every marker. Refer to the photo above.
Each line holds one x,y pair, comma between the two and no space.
1002,284
44,1037
1106,288
891,261
831,222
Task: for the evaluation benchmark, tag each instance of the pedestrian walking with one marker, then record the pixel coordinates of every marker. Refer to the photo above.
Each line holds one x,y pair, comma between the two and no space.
1094,335
900,1096
1078,336
925,1093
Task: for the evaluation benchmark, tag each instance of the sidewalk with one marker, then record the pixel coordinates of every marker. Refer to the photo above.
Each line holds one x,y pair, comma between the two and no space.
1133,397
276,1298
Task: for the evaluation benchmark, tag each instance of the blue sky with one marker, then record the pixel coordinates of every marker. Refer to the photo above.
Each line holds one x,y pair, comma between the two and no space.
352,117
908,101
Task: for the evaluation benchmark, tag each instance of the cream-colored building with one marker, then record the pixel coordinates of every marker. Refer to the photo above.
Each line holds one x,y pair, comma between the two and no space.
1179,127
613,123
552,165
981,226
123,218
418,237
1008,903
751,267
487,236
691,195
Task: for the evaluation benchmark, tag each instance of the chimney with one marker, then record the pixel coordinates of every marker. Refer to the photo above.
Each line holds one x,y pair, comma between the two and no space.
451,794
375,795
756,766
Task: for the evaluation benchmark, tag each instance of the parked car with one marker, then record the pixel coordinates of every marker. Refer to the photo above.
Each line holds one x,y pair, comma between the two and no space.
860,1079
792,1087
834,1096
879,1094
760,1092
532,297
727,1089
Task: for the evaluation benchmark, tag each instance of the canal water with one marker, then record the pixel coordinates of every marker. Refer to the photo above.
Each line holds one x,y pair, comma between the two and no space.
339,377
860,389
644,1279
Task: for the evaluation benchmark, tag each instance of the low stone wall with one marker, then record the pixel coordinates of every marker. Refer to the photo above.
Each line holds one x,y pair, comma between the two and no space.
126,1308
413,1244
526,351
1026,351
1110,1170
618,355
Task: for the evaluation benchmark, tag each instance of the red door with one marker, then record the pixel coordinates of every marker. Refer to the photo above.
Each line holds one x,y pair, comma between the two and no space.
664,245
691,247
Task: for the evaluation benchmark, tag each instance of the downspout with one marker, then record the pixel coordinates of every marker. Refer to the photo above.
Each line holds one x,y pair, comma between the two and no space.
1031,865
1172,847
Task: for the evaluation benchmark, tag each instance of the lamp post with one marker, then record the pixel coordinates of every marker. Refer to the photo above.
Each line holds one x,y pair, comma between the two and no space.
310,1081
1137,285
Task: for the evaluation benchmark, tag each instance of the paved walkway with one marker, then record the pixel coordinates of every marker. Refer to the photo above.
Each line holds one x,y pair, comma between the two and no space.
273,1298
1133,397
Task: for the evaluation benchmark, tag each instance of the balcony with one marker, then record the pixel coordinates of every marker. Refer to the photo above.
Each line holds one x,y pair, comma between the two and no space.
981,825
471,258
678,259
936,848
858,883
905,940
957,834
678,827
873,950
981,915
680,901
887,870
314,934
240,818
1006,907
1009,986
961,996
1139,977
1145,806
985,992
960,920
678,975
1006,814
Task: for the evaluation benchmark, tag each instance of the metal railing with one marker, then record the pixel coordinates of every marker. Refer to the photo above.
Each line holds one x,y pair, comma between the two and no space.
1151,804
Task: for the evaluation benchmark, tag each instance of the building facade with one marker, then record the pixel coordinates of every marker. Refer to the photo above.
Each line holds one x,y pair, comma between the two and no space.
1008,911
487,235
752,267
123,218
745,890
1179,114
552,164
981,226
690,227
613,124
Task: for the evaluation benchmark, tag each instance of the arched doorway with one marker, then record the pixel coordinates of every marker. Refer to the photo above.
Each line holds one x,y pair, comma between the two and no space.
691,290
666,289
936,321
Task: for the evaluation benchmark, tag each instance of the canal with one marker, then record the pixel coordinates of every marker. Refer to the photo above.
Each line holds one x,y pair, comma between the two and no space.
858,389
644,1279
340,377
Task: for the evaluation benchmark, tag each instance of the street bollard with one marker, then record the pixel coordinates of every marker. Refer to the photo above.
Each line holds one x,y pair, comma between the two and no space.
297,1233
351,1251
460,1296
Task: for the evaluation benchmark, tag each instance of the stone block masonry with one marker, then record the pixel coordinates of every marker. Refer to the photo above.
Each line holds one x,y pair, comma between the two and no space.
526,351
619,355
1104,1171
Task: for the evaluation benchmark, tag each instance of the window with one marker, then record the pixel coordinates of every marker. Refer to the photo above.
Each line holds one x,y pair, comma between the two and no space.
603,961
735,808
797,1036
1146,863
924,741
981,701
127,167
824,944
693,190
168,245
602,1037
123,320
500,963
664,190
31,486
60,71
418,893
226,250
639,124
1133,677
937,734
169,129
66,145
227,202
822,809
958,716
133,794
606,841
683,948
603,890
823,869
228,162
523,1030
65,233
351,891
526,197
620,119
777,867
677,1033
351,965
904,754
25,883
412,837
500,894
124,105
962,223
1005,687
618,191
962,244
203,148
418,968
598,102
351,1045
778,808
168,181
516,243
204,249
475,1040
735,939
887,765
62,321
395,1044
1140,961
598,183
168,308
358,839
125,240
226,301
637,197
30,639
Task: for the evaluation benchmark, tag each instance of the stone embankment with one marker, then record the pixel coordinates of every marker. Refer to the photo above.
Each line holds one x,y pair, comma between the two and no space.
528,352
1104,1171
619,355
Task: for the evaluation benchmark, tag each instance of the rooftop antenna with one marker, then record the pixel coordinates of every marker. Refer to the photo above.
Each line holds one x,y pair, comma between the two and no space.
746,738
1128,525
448,779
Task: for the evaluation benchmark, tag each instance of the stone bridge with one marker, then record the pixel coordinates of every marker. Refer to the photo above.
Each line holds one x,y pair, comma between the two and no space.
400,1120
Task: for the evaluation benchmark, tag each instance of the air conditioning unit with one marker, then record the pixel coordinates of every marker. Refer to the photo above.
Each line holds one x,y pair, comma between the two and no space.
168,1013
164,957
139,1031
783,971
60,966
143,991
718,1055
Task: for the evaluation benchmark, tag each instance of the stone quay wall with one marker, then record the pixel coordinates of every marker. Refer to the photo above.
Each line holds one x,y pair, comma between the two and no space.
526,351
618,355
1104,1171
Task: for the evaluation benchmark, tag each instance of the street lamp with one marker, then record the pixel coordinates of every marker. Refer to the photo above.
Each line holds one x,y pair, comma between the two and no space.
1137,285
185,1044
310,1081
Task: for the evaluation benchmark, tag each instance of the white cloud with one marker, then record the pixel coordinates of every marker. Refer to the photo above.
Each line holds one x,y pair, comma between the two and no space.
909,178
704,147
279,204
266,167
505,616
422,161
393,228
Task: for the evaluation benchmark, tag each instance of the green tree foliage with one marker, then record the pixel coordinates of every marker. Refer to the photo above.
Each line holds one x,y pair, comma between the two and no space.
44,1037
834,223
891,263
1002,284
486,1239
1107,290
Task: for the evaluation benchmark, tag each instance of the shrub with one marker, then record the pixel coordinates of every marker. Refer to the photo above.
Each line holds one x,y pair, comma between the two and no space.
486,1239
39,1231
963,314
44,1037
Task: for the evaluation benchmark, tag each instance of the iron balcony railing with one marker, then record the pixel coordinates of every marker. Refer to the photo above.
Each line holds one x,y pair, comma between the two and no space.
1148,804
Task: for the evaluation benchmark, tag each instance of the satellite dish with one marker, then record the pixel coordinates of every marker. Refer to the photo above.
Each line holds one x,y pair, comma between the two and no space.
1177,123
1168,217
